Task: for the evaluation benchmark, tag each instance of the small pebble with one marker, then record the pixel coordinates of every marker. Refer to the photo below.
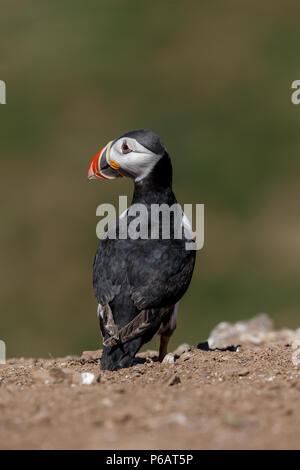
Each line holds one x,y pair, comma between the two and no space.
270,379
169,359
98,378
87,378
107,402
175,380
243,372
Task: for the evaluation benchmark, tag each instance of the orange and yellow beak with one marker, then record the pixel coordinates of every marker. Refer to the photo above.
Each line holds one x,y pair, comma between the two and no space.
102,167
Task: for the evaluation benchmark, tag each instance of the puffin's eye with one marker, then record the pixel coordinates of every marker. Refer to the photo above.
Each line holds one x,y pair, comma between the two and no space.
125,148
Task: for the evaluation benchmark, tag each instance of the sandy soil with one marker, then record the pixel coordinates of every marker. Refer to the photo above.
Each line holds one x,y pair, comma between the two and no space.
247,399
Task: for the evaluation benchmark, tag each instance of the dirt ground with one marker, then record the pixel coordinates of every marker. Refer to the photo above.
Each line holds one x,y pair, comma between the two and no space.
244,399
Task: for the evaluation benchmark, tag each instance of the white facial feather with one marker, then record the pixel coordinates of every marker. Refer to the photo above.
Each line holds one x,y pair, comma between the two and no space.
139,162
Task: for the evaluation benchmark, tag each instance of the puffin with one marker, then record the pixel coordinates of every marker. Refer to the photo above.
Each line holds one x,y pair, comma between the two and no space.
138,281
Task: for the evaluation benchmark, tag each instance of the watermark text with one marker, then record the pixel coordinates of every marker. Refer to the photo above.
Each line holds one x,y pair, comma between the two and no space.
2,352
295,96
2,92
155,221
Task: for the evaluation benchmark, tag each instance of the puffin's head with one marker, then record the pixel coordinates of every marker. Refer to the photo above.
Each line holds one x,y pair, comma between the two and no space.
134,154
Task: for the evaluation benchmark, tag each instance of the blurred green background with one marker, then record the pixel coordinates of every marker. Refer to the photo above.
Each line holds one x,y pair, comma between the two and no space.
213,79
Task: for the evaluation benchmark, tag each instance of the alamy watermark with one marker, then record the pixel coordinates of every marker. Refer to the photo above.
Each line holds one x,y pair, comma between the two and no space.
295,96
157,221
2,92
2,352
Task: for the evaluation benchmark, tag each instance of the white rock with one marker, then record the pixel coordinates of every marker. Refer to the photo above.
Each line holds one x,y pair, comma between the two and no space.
178,418
107,402
182,349
254,331
87,378
169,359
270,379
